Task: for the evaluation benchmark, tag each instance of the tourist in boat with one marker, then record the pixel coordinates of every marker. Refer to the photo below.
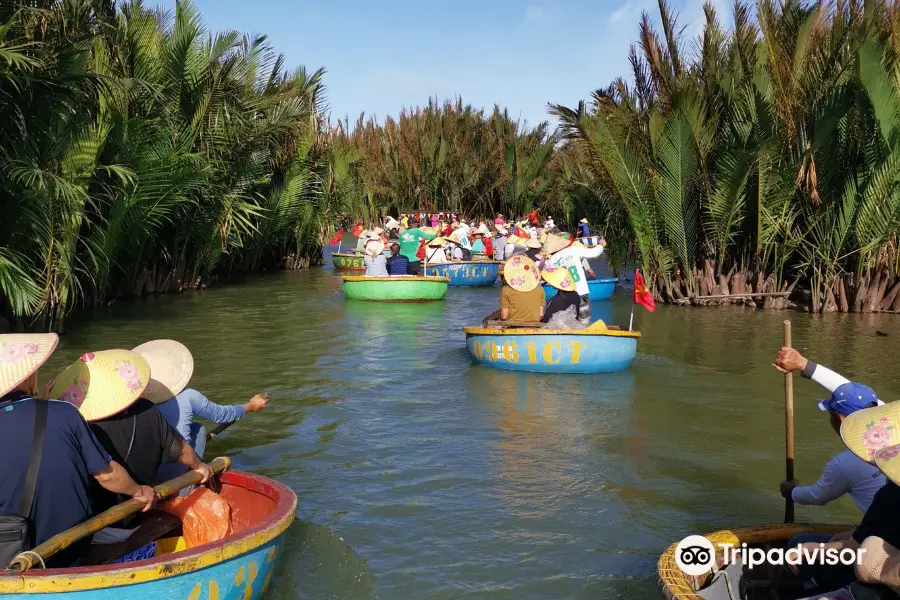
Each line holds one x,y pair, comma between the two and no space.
435,252
533,248
461,237
499,243
478,242
845,473
171,368
69,458
397,264
404,220
499,222
106,388
583,229
375,260
521,298
456,251
560,252
409,245
565,297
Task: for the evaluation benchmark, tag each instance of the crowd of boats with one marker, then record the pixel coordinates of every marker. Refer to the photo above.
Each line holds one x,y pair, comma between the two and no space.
529,265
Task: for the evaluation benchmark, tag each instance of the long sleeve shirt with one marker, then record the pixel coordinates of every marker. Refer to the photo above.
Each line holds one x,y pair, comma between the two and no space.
570,259
845,473
181,410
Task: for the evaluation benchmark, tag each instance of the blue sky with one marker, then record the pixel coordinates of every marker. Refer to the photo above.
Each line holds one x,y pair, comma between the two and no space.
382,56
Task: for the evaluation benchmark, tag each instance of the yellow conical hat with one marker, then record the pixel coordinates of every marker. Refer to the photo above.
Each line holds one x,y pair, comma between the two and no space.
171,367
869,430
21,354
559,277
102,384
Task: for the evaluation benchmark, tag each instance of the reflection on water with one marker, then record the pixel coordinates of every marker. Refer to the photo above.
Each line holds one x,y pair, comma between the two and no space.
422,476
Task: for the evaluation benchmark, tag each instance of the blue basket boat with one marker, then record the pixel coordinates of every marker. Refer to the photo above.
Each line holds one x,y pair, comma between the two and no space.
598,289
594,350
473,273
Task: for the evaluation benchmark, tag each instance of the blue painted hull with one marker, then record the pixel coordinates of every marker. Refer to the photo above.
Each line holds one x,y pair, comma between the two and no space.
552,353
598,289
470,273
246,576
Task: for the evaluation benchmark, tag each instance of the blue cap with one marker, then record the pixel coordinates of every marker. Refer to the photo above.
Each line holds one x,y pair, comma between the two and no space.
849,398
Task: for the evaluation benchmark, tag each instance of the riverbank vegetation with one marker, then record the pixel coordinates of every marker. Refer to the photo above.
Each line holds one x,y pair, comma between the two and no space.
140,153
755,157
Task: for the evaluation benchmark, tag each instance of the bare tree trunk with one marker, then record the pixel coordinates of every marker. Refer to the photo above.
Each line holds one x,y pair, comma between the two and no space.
889,299
843,305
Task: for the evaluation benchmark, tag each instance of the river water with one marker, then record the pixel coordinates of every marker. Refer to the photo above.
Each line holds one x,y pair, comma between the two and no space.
422,476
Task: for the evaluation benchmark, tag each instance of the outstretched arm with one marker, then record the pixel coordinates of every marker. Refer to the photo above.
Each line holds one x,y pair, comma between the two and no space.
215,413
789,359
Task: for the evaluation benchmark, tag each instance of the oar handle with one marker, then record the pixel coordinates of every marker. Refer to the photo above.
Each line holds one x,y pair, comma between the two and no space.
788,429
219,430
60,541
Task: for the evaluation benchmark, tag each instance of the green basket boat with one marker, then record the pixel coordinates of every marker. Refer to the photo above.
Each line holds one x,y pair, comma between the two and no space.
398,288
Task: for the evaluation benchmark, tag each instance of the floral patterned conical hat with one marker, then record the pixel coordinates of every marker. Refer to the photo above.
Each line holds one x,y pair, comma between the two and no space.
102,384
521,274
21,354
869,431
559,277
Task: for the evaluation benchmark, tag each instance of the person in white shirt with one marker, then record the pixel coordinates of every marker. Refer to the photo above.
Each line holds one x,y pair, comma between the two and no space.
570,258
500,244
434,253
845,473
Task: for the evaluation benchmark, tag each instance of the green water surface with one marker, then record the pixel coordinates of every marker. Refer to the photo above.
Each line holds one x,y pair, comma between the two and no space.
421,476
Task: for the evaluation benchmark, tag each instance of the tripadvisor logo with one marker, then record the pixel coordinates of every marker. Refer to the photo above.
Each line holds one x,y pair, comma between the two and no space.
695,555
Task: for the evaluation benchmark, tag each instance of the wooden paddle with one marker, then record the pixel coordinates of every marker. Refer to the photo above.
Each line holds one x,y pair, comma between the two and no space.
222,427
60,541
788,429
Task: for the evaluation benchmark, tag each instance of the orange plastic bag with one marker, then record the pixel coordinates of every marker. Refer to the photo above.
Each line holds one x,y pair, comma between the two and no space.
205,516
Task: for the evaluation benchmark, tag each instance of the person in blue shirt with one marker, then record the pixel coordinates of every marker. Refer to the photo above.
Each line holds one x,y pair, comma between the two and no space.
70,456
583,229
171,368
845,473
397,263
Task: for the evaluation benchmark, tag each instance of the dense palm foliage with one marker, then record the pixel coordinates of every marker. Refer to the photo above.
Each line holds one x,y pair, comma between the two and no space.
753,158
139,153
450,157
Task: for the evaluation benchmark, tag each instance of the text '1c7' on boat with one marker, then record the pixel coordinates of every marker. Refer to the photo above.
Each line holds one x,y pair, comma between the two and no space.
598,289
728,579
473,273
239,566
395,288
597,349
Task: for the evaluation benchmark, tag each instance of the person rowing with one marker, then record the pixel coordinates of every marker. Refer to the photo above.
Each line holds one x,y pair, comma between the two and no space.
106,388
845,473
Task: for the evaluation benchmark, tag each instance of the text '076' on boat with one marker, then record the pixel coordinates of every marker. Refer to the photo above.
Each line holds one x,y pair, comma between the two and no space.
239,566
348,261
395,288
541,350
472,273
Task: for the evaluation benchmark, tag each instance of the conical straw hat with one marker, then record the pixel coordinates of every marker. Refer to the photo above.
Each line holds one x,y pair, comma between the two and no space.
436,242
171,367
521,274
102,384
21,354
374,247
559,277
867,431
532,243
554,244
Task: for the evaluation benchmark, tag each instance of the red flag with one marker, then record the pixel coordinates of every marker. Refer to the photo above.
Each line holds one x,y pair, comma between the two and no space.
338,236
357,230
642,295
521,233
533,217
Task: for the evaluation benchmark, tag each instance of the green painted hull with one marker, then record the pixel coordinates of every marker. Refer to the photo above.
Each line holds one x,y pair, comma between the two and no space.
395,289
348,262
